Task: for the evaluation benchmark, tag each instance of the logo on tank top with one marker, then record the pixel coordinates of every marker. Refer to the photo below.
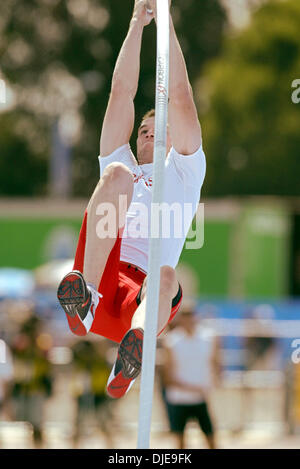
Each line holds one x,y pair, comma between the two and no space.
137,178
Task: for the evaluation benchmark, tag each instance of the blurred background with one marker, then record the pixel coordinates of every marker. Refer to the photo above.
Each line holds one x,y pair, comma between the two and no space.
56,64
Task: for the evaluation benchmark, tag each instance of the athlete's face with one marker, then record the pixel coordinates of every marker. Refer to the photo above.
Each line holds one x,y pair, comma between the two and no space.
145,141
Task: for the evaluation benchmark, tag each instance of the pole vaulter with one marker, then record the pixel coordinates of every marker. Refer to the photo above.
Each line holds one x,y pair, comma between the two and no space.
123,285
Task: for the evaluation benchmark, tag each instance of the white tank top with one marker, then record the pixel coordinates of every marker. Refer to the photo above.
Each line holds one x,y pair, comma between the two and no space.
184,176
192,363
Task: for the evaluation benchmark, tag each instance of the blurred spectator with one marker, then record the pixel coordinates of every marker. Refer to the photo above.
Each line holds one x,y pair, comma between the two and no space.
32,377
90,378
191,365
262,349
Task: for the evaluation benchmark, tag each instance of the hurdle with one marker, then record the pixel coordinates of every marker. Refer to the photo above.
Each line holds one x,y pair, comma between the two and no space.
153,281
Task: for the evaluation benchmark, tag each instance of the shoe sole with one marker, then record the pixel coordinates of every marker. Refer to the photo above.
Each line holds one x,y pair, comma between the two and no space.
72,291
130,355
131,351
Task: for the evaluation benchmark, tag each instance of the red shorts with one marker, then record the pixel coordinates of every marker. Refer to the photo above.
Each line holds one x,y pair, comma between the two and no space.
120,286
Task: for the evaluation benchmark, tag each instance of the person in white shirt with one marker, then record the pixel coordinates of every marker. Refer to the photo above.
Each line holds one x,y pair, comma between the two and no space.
106,292
190,369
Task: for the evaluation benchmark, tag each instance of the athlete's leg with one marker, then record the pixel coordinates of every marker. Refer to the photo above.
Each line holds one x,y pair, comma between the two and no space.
129,359
116,181
168,290
78,291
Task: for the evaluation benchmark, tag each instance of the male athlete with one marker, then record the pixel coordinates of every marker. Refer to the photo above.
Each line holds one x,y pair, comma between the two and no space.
106,292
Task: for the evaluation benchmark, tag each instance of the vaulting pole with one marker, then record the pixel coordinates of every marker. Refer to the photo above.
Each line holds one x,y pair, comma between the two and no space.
153,278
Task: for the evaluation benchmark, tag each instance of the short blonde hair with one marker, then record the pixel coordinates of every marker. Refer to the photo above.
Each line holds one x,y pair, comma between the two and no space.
148,114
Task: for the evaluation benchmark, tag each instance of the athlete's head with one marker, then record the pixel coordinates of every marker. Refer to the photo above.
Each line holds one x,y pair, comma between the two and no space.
145,138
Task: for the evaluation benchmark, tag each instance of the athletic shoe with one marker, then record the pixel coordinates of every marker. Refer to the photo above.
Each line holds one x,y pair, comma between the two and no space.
79,302
128,364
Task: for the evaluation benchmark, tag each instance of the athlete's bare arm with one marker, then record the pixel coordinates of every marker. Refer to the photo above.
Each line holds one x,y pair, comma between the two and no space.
119,117
185,130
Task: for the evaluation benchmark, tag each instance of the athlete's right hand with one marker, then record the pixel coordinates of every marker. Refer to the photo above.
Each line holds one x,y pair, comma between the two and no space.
140,12
151,5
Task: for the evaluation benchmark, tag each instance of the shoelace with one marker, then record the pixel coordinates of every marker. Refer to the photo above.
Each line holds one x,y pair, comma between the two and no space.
95,294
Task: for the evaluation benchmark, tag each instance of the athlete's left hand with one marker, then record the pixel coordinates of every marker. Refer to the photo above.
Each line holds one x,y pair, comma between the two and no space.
141,12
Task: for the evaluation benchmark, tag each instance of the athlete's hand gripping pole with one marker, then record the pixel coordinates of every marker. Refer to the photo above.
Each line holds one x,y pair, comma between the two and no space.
149,9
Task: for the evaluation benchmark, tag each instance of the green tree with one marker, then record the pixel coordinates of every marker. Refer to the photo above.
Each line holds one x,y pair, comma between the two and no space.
58,56
251,128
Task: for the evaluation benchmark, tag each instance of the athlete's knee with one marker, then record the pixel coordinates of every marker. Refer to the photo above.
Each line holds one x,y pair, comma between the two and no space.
168,279
118,177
